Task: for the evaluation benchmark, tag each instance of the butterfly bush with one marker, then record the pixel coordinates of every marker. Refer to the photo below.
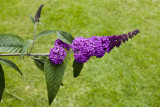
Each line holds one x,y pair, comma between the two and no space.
84,48
57,55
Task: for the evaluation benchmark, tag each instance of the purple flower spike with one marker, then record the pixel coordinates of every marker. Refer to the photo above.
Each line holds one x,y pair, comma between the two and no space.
60,43
57,55
84,48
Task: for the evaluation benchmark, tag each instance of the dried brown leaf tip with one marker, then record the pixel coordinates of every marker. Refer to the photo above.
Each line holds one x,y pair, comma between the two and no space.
38,13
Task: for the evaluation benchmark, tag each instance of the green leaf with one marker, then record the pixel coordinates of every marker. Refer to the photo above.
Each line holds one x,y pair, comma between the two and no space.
32,18
10,43
65,37
77,67
2,82
39,62
45,33
10,64
26,45
53,75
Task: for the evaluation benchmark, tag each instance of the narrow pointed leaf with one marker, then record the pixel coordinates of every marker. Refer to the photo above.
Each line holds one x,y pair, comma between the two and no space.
45,33
26,46
40,63
65,37
2,82
10,64
53,75
32,18
77,67
10,43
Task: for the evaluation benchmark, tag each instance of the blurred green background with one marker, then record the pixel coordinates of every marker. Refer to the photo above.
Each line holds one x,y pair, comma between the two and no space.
127,77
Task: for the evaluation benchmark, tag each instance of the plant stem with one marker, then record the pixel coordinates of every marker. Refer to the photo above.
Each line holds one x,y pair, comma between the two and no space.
34,37
27,54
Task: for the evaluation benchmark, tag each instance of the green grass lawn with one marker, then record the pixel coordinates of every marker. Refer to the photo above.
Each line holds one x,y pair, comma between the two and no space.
129,76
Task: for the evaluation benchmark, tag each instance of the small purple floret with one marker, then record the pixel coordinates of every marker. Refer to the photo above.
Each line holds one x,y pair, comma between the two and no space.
60,43
57,55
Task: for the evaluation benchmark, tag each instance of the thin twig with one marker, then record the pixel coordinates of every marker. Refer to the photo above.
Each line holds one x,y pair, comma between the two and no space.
34,37
27,54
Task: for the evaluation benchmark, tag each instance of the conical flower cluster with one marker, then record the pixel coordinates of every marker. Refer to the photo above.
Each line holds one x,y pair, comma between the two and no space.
84,48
